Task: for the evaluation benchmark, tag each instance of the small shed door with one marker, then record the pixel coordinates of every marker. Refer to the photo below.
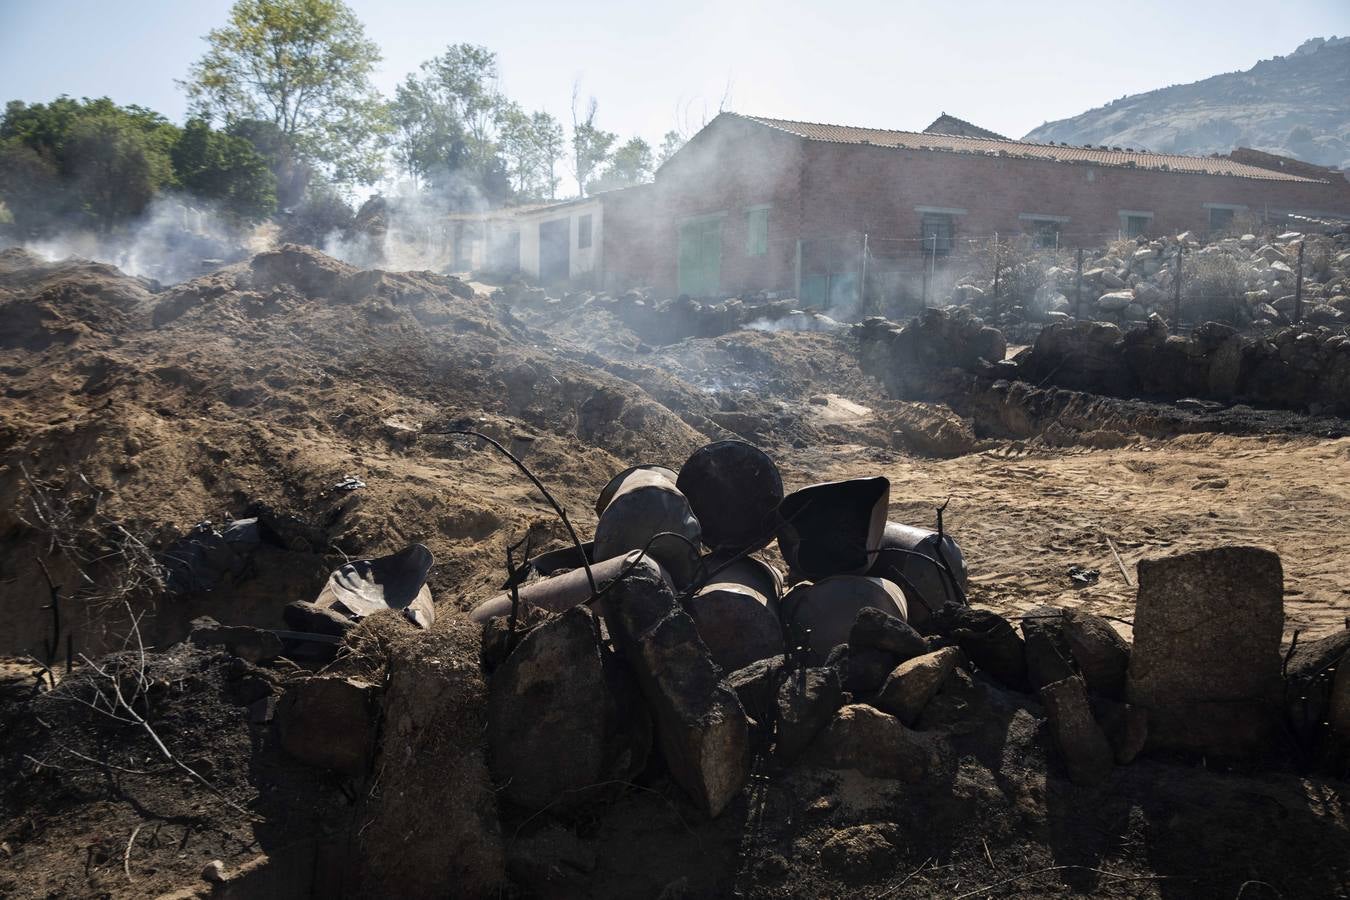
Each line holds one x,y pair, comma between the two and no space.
701,257
555,253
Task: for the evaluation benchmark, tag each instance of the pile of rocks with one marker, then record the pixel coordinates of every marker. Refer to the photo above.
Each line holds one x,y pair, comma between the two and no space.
1244,281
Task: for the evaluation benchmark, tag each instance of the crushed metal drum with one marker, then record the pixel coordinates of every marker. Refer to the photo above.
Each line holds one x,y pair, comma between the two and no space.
748,571
820,616
734,489
833,528
397,581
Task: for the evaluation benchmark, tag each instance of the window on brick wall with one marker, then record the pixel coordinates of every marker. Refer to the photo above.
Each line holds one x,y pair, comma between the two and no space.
1220,218
1045,233
937,231
1132,226
583,232
757,231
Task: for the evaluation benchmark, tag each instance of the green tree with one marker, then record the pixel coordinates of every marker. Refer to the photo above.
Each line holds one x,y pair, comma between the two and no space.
532,145
31,189
225,169
630,164
117,168
292,175
452,122
304,66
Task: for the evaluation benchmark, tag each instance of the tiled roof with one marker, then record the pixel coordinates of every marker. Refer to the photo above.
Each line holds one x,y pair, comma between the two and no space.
945,124
947,143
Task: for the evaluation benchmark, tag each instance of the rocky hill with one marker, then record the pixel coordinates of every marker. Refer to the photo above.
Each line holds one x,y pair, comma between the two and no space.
1293,105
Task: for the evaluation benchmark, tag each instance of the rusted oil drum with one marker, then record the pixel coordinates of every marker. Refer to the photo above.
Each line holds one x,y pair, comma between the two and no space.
736,623
833,528
396,581
821,615
734,489
909,557
644,504
547,564
559,593
749,571
607,493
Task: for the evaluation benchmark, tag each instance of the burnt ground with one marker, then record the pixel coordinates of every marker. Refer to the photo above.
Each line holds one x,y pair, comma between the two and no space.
268,382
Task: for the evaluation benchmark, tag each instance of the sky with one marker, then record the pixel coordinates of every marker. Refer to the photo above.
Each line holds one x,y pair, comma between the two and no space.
1008,66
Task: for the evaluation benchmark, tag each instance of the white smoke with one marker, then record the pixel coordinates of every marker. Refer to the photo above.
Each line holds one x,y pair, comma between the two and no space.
175,239
416,228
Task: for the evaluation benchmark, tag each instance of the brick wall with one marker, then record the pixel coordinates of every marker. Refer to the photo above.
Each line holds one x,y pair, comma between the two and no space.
820,192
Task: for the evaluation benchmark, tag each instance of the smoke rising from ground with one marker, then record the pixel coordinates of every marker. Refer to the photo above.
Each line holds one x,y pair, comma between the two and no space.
173,240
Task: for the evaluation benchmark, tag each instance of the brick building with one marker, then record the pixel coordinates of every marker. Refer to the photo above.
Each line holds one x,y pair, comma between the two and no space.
811,210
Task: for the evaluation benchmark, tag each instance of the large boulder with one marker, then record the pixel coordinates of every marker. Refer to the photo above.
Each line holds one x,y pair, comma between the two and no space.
701,727
756,685
1100,653
1048,656
548,707
1206,659
879,630
907,691
1081,355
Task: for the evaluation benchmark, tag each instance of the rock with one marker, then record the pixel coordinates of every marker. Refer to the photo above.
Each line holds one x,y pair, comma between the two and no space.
862,670
931,429
548,712
1111,279
1115,301
1312,676
862,850
257,645
756,686
303,616
1339,720
329,721
1047,647
876,744
877,629
960,706
1206,658
914,682
1079,738
435,710
736,624
988,639
214,872
1125,727
700,725
1101,655
807,701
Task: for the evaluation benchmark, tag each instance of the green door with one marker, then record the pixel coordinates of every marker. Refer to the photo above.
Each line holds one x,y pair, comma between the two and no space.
701,257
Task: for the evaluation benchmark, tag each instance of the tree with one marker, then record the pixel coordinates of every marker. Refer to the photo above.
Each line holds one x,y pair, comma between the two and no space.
116,169
671,143
292,175
31,189
225,169
452,122
549,136
304,66
590,145
629,165
531,145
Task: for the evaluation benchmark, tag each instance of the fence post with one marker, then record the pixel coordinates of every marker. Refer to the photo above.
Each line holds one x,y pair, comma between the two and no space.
1078,288
862,278
996,270
1176,294
1298,285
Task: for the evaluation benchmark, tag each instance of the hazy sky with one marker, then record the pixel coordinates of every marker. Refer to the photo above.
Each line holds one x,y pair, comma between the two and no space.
1007,66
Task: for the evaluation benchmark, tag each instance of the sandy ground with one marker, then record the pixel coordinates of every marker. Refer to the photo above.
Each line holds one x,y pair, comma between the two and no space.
1023,517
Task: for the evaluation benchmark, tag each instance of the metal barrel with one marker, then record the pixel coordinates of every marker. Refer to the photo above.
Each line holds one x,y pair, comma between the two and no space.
561,592
736,623
821,615
833,528
734,489
748,571
609,490
646,504
922,577
546,564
